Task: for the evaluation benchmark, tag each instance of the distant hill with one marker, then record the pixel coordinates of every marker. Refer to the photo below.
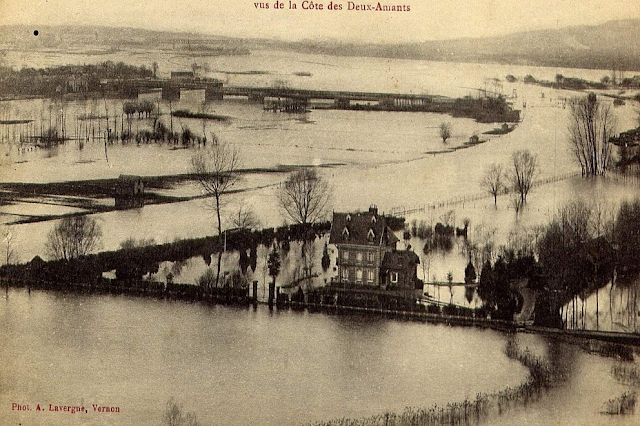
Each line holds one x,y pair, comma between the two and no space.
613,45
86,38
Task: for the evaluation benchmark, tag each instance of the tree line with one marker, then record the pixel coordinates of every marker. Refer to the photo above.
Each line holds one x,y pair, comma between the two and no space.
77,264
55,81
585,247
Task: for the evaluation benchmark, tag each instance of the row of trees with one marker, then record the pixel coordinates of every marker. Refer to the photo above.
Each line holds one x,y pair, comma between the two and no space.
303,198
144,107
591,126
518,177
566,260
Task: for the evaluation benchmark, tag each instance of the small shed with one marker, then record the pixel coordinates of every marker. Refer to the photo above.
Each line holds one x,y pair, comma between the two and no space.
129,192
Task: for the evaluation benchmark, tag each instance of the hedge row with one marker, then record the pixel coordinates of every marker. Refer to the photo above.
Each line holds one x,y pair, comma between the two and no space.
131,264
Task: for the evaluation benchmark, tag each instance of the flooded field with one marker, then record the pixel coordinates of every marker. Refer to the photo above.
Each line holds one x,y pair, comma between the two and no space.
395,160
301,367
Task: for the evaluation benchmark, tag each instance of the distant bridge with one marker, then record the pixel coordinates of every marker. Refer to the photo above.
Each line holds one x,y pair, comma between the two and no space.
214,90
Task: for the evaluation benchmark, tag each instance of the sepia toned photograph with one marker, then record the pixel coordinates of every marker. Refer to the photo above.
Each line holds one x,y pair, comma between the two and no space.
331,213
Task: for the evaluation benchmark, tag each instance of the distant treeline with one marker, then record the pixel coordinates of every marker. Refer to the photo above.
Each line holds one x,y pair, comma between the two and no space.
57,81
566,83
483,110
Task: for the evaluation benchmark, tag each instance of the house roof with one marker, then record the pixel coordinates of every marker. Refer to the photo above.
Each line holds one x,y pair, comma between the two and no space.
400,259
361,228
629,138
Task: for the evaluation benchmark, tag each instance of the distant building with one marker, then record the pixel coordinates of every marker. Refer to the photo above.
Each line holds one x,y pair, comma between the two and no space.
630,138
367,254
628,149
129,192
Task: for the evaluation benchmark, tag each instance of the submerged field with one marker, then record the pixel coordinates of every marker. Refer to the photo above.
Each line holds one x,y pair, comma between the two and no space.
298,367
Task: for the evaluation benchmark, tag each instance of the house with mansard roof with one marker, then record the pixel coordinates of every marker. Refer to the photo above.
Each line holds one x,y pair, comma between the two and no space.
368,256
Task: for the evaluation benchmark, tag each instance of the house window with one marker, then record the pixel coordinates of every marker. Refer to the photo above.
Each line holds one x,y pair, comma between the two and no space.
359,256
359,275
371,276
345,273
393,277
345,255
371,256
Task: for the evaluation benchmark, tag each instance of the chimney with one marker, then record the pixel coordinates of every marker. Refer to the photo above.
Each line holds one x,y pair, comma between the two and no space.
373,209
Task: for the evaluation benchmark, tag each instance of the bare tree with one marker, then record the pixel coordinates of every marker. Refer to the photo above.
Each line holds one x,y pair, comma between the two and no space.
244,218
516,203
309,257
445,131
591,125
204,110
492,181
73,237
10,255
174,415
601,219
523,172
305,196
216,168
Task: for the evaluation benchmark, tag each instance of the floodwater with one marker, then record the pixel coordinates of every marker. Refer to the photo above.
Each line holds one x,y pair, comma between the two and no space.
237,366
240,366
381,158
231,366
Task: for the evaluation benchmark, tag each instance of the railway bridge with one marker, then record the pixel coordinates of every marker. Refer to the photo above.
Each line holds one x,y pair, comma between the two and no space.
215,90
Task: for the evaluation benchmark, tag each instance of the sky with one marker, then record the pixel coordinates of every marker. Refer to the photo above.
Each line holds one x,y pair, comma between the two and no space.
426,19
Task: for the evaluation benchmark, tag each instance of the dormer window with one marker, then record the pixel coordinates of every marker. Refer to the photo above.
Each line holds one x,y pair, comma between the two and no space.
348,217
373,219
371,236
345,233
